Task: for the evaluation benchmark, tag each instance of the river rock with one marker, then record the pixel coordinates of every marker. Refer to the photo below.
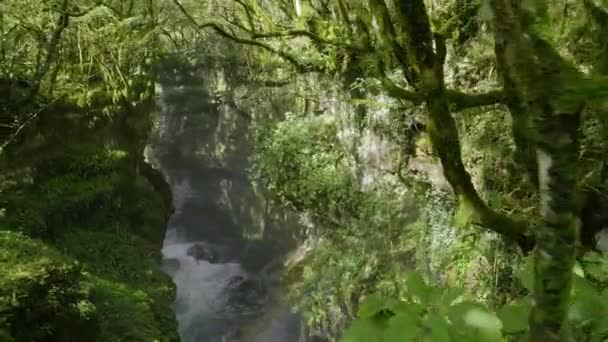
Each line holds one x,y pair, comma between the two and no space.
204,252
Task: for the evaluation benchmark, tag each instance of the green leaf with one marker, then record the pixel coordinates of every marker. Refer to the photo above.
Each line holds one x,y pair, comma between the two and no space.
514,316
364,330
372,305
578,270
526,274
399,307
601,326
438,328
583,312
596,266
416,287
583,289
477,318
403,327
458,311
450,295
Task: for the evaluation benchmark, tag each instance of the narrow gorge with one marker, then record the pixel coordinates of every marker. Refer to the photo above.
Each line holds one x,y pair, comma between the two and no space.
303,171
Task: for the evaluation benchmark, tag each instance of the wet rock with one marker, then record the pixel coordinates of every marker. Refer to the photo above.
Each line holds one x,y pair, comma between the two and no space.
203,252
257,254
235,281
243,291
170,265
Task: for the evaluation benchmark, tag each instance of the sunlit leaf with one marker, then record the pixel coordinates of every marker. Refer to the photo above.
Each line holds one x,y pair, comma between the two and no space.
416,287
578,270
371,306
596,265
409,308
364,330
438,329
403,327
476,317
514,316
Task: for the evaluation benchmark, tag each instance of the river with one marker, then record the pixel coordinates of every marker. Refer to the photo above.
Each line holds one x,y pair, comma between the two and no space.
227,277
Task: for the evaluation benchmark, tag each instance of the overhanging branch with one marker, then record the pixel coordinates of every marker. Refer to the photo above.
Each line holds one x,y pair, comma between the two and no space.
298,33
458,100
299,65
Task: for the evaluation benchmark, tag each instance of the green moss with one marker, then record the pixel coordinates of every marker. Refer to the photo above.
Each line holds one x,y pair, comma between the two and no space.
42,294
91,208
131,293
116,291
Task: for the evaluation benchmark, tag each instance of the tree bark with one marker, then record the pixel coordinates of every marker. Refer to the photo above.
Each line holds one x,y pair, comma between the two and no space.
544,81
521,118
555,240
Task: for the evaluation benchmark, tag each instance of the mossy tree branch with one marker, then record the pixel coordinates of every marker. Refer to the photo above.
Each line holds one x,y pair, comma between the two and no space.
521,118
441,126
382,24
458,100
299,65
544,81
420,56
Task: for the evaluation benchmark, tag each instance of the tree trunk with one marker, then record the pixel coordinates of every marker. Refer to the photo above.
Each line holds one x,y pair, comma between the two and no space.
521,118
544,81
555,240
441,126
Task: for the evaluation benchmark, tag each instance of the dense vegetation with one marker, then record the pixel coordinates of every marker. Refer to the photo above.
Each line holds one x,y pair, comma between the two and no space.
429,145
82,217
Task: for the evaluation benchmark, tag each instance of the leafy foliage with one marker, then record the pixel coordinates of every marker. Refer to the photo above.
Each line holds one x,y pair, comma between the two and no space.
80,88
427,312
126,285
300,161
117,263
43,296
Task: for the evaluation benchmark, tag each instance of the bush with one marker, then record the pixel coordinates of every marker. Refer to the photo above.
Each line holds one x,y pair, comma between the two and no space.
301,162
132,295
435,313
42,297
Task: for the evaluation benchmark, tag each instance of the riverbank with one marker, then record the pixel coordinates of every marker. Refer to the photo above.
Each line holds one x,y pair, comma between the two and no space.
82,220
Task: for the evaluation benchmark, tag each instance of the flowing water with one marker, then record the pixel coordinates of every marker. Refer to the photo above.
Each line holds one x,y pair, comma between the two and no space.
218,299
227,284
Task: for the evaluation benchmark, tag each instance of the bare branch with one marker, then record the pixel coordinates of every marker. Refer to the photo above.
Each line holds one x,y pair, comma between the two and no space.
25,123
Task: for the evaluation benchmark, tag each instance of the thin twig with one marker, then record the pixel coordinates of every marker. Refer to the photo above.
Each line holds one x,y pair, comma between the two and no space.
24,124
